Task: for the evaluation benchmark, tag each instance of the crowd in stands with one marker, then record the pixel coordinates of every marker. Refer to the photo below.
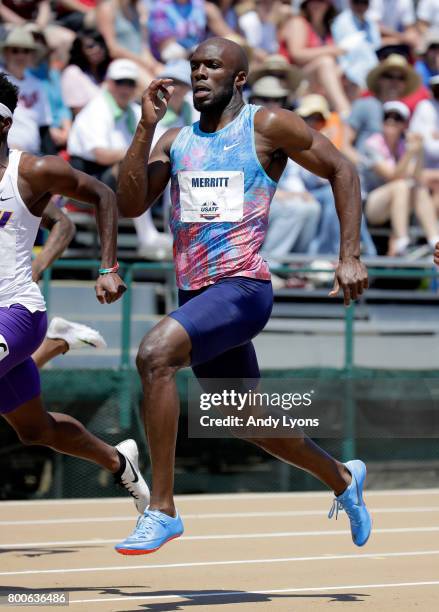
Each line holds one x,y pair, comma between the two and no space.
363,72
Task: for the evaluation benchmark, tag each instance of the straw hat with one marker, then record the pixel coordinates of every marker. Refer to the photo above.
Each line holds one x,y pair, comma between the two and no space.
313,104
394,62
269,87
21,38
278,66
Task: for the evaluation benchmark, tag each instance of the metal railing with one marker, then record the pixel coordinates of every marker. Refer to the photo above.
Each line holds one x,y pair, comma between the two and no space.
128,271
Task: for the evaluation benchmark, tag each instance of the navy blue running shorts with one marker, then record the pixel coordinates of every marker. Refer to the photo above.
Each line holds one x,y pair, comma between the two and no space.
221,320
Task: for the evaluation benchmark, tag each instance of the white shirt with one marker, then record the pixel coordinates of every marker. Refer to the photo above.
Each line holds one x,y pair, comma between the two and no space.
425,121
96,127
32,112
428,10
395,14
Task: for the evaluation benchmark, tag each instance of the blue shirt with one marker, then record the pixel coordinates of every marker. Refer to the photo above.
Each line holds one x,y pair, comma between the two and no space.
425,72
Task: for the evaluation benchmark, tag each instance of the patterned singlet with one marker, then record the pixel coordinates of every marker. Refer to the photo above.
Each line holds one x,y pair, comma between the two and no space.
220,202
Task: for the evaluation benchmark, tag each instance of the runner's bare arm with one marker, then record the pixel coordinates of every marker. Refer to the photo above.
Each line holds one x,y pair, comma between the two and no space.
323,159
141,182
143,177
62,230
53,175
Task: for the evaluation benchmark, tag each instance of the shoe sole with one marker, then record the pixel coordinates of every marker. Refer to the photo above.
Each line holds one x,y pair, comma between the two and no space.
137,551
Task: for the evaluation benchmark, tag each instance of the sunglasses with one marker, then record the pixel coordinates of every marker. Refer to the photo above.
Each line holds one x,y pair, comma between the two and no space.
363,2
18,50
91,45
391,76
125,82
394,117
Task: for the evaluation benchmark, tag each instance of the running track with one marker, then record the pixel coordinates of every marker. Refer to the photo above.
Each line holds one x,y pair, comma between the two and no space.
246,552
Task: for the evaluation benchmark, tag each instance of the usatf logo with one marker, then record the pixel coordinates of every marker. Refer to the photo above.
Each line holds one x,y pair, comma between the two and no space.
209,211
5,215
4,348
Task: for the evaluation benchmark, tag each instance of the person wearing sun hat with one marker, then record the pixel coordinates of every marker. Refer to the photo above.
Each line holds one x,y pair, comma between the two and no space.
278,66
392,79
32,118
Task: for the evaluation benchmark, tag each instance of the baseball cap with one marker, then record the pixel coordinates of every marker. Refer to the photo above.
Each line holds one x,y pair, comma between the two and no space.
122,69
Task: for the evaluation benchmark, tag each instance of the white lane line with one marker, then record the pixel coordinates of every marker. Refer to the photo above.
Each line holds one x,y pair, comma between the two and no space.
214,497
244,594
226,536
213,515
375,556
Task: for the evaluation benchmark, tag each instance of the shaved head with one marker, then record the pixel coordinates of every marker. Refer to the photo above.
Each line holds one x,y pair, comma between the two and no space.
219,69
232,54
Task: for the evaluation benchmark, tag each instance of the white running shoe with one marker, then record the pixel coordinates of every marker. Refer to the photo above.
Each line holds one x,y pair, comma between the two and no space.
75,334
131,478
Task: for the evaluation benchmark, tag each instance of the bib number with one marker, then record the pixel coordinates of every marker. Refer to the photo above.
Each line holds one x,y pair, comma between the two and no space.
211,197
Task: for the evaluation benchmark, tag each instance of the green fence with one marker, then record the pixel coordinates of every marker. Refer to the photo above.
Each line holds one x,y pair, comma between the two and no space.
107,401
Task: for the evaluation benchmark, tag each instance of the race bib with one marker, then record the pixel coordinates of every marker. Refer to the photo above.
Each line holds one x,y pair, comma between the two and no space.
211,197
7,252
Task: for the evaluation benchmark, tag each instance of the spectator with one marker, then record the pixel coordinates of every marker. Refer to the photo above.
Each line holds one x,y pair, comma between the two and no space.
86,69
103,129
306,40
353,31
75,15
276,65
396,20
119,23
177,26
50,80
392,79
258,21
428,14
315,111
294,214
428,65
32,117
425,122
19,12
391,169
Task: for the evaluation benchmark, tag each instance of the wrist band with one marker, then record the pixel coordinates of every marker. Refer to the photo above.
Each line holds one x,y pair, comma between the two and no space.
112,270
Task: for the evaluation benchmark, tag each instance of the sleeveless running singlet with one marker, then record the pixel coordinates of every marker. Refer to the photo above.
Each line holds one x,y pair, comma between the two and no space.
18,230
220,202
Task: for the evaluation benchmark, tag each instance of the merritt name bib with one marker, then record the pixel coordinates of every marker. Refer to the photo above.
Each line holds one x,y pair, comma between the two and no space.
211,196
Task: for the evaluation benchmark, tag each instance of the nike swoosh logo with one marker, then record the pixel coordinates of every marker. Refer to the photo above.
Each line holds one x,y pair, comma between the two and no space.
2,199
227,147
136,476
